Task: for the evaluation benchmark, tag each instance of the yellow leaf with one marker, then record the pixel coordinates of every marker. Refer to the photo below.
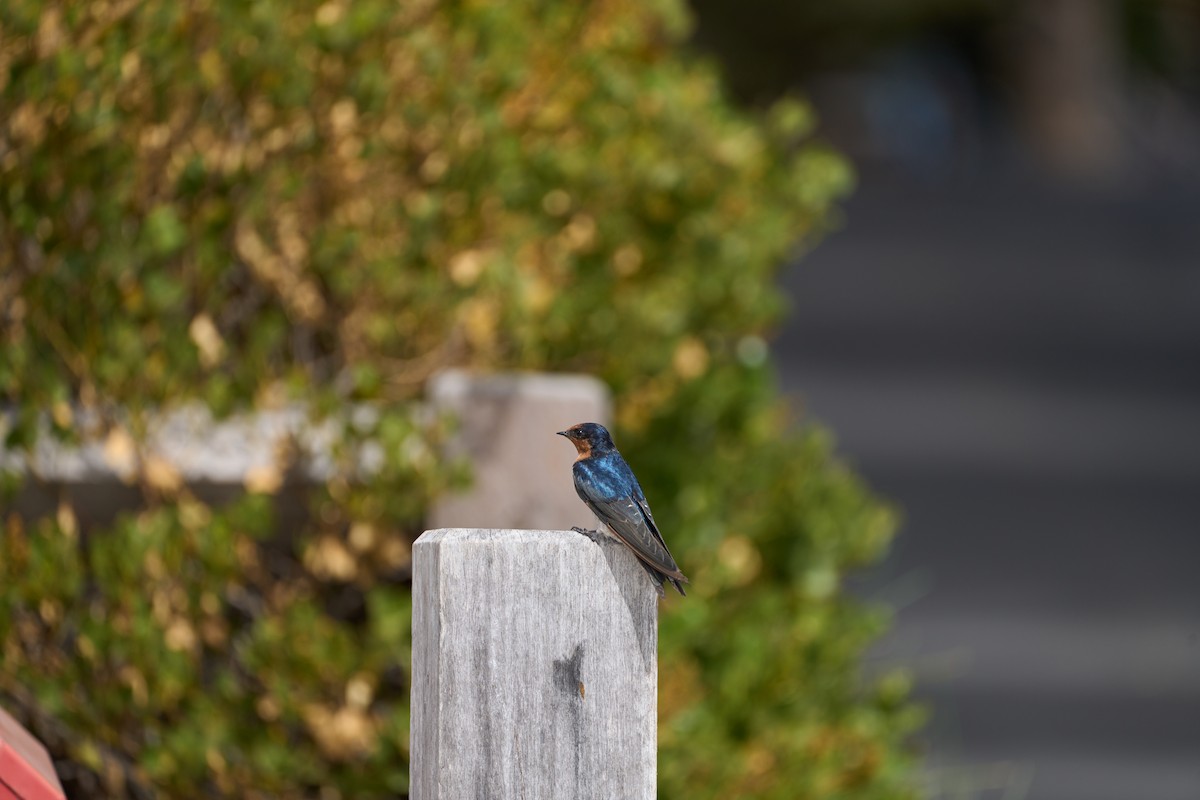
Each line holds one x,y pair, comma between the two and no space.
207,338
119,453
342,734
329,14
359,692
63,417
362,536
328,558
161,474
690,359
466,267
180,635
265,479
739,555
479,322
67,522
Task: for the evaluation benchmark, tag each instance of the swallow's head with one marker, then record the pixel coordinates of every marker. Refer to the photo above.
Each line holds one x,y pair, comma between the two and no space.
589,438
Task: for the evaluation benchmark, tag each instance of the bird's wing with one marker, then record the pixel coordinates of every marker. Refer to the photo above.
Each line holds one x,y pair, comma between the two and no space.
644,505
629,519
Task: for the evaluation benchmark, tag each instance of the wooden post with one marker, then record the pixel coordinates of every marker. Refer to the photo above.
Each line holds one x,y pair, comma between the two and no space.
535,668
519,473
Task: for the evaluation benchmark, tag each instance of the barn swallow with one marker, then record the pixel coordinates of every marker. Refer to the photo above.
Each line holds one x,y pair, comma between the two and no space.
609,488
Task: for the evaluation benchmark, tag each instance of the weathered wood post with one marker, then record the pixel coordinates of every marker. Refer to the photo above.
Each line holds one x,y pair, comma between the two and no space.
535,668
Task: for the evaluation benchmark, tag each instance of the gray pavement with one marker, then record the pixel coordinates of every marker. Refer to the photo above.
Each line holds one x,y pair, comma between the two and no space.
1018,368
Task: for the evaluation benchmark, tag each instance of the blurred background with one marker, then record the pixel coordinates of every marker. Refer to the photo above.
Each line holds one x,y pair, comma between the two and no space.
1005,336
239,243
239,246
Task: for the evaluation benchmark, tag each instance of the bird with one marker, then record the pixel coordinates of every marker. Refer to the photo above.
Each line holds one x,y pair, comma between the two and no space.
607,485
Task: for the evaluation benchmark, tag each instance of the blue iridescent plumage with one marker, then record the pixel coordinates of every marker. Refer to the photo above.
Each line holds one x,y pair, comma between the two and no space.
608,486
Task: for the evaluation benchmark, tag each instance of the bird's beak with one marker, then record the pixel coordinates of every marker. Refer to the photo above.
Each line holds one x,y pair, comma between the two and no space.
564,433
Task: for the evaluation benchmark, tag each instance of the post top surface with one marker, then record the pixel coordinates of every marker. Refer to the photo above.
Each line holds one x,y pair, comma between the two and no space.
508,535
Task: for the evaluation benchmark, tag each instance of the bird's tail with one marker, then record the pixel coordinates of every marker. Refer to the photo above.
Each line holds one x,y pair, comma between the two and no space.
659,579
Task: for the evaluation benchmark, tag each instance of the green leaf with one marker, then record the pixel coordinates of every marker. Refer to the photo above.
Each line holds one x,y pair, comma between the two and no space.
164,231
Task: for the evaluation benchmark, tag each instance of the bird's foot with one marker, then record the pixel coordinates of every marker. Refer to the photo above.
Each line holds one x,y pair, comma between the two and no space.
595,536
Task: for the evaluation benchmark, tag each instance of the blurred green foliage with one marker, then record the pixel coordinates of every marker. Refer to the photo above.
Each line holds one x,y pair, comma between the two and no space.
253,205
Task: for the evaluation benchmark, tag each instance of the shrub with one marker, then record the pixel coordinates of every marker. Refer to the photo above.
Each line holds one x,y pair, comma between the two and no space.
246,205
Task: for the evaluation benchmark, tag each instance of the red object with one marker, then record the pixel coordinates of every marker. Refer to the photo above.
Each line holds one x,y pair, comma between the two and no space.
26,771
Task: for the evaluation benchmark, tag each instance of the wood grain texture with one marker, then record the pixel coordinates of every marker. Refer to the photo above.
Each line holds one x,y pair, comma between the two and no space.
535,669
